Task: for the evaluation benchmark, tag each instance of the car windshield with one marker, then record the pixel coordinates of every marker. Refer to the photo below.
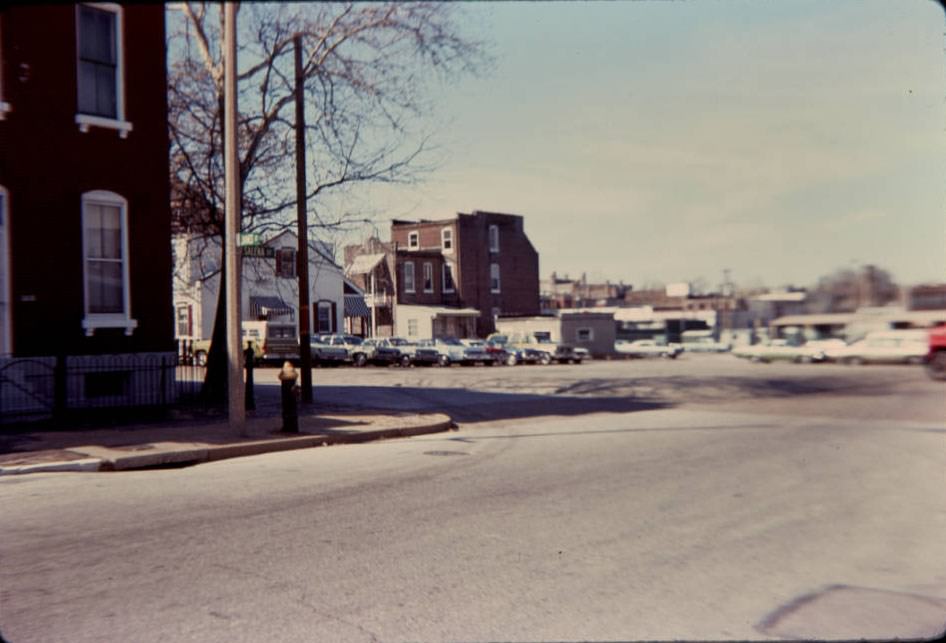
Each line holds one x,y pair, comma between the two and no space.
398,341
451,341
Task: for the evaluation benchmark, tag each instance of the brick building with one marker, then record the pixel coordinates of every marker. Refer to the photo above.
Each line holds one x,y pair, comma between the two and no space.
482,261
85,255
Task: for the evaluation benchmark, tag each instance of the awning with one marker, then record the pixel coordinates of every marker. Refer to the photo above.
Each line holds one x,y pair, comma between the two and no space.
355,306
363,264
261,306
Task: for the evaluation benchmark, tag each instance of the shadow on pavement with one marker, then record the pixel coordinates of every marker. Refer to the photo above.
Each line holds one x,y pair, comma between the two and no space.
476,406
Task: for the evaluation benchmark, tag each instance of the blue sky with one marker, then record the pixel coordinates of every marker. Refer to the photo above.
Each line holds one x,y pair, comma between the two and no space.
654,142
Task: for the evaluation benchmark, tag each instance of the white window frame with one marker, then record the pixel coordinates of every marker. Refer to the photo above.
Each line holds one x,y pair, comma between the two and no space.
6,340
494,238
428,276
590,331
86,121
93,321
446,240
413,240
495,285
409,280
448,268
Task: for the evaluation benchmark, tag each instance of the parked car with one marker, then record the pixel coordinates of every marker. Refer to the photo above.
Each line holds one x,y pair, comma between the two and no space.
385,351
581,354
452,351
780,350
646,348
936,356
702,341
539,343
270,341
358,354
890,347
324,352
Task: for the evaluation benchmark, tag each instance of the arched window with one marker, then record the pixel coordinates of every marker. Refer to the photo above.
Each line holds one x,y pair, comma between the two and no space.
105,262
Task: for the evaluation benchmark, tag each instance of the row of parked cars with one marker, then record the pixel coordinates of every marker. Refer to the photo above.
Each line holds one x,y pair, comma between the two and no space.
496,350
881,347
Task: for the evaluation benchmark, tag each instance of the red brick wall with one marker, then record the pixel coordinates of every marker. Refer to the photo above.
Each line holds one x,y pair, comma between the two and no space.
46,164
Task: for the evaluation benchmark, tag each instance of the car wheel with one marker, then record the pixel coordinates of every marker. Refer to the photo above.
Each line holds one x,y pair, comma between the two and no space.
545,359
200,358
359,359
443,360
405,360
511,359
936,368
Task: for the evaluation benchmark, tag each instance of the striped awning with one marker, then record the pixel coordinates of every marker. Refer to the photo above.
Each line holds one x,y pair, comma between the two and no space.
355,306
268,306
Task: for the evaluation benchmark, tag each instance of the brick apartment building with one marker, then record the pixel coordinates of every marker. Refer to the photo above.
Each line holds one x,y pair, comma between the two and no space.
448,277
85,257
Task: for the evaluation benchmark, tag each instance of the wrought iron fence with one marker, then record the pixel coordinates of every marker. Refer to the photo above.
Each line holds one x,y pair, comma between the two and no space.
57,388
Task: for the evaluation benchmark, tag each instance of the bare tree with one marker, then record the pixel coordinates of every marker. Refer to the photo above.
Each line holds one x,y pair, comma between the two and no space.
367,73
846,290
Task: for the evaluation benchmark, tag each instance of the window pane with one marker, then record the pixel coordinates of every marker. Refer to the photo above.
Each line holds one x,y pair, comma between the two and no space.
105,287
97,35
103,231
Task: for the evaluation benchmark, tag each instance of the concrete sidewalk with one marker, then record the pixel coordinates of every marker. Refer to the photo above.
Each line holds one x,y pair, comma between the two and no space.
183,443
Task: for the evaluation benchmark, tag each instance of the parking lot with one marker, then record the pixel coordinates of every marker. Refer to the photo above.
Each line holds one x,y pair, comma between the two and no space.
692,380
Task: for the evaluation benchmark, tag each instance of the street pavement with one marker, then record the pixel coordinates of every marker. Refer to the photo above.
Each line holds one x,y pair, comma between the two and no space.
658,524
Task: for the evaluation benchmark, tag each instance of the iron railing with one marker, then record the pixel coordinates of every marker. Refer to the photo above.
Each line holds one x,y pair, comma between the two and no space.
56,388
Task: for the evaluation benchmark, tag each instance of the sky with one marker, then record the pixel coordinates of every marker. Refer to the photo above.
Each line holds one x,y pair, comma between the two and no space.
656,142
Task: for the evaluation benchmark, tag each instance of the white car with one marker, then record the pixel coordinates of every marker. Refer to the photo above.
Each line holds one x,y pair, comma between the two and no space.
647,348
890,347
780,350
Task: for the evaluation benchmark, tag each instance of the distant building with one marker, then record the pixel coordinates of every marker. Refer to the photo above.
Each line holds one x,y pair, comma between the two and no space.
448,277
269,285
560,293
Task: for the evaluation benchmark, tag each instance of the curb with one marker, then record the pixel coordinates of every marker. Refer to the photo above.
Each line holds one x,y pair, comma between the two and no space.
198,454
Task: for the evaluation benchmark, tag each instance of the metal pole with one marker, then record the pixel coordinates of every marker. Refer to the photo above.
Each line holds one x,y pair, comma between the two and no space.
235,391
302,256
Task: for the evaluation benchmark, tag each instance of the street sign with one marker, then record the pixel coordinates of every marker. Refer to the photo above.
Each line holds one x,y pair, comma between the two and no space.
259,251
249,239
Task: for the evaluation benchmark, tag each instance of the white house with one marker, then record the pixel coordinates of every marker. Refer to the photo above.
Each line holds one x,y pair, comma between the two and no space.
269,285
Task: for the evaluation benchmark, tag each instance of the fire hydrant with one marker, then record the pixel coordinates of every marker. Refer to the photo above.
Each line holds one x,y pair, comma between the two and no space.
290,414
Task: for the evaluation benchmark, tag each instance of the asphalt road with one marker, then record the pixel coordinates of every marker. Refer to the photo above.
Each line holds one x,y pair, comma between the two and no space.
592,502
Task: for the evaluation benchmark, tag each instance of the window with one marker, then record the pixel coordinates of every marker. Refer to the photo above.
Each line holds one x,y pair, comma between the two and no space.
6,342
448,285
100,74
105,265
184,321
286,262
446,240
428,277
324,317
4,106
494,238
409,276
584,334
412,328
413,240
494,277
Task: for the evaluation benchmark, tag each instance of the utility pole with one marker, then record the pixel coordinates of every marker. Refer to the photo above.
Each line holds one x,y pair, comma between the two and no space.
302,256
235,392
